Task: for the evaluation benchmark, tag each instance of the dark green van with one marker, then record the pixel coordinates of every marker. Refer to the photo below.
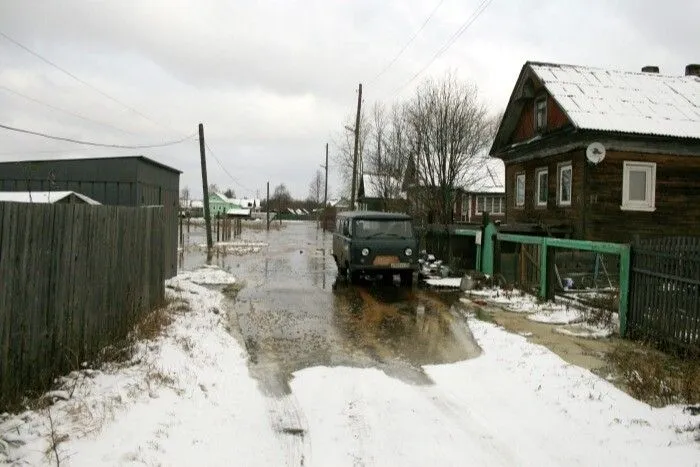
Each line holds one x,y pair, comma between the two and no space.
369,243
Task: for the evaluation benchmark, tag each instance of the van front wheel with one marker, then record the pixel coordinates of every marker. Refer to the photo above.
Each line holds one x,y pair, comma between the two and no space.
407,278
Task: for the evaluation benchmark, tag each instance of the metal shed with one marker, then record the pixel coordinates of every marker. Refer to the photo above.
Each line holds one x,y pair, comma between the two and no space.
123,181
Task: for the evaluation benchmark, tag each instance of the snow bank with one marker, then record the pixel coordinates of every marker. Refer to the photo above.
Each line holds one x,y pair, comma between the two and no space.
208,275
186,399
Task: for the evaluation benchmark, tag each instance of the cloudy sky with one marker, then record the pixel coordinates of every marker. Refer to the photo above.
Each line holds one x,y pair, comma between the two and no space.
272,81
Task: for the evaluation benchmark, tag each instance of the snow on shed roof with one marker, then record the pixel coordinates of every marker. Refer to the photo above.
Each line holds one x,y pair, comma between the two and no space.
486,176
44,197
381,186
624,101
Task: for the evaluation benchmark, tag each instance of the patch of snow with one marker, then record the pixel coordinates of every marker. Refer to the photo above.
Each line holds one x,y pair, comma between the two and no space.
585,330
557,314
452,282
209,275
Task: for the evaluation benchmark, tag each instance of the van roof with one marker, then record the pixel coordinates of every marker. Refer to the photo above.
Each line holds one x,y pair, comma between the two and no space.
374,215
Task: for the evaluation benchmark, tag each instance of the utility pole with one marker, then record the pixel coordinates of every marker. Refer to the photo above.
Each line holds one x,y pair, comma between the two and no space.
205,187
325,189
355,148
267,205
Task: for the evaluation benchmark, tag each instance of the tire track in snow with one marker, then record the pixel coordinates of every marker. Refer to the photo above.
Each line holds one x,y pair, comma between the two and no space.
288,421
360,431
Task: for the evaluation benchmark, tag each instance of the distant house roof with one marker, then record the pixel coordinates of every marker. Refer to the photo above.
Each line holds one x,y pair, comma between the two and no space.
247,202
244,212
486,176
226,199
44,197
339,202
291,211
380,186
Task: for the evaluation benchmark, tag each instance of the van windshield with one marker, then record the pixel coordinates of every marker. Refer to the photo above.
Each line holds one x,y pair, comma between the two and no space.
366,228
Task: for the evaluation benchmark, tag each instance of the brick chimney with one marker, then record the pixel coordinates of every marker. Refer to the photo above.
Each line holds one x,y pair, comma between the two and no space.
650,69
692,70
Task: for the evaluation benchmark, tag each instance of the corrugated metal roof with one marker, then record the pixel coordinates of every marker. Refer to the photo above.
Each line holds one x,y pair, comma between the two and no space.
44,197
624,101
381,186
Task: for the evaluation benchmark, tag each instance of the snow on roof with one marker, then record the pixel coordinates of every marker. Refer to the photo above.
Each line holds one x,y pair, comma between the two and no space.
486,176
624,101
41,196
382,186
238,212
291,211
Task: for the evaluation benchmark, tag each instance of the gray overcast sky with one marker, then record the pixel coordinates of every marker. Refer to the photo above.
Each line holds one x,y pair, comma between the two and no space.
273,80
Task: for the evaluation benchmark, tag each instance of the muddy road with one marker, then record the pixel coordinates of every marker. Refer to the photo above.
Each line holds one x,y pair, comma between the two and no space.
294,312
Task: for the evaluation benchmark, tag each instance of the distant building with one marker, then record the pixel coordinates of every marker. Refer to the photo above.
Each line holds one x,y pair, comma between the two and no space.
46,197
379,192
122,181
484,191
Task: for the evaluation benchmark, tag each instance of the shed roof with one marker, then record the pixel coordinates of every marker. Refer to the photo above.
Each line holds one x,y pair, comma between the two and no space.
44,197
624,101
381,186
374,215
140,158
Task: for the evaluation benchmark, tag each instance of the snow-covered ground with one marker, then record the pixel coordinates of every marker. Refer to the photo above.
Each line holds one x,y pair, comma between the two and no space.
188,399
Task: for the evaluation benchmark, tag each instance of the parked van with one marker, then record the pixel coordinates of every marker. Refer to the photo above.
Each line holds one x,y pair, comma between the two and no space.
369,243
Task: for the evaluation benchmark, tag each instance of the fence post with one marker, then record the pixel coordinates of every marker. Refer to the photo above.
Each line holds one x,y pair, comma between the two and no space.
544,282
487,245
625,258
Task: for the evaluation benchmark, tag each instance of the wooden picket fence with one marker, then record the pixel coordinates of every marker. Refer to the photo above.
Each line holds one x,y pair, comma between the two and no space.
665,292
73,278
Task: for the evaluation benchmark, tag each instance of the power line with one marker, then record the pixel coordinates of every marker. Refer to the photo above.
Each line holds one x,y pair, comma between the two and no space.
67,112
479,10
224,169
403,49
80,80
90,143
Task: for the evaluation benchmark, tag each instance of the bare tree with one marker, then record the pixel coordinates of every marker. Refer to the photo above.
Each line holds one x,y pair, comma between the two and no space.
229,193
185,193
344,143
213,188
448,131
316,188
281,197
387,155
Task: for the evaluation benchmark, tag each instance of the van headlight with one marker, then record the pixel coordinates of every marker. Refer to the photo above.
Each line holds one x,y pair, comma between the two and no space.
365,251
408,252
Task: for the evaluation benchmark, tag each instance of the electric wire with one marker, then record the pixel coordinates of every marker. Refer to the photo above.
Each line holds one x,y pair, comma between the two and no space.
233,179
80,80
91,143
410,40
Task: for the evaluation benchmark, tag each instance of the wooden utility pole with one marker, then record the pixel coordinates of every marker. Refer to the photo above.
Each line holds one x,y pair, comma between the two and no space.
325,189
267,205
355,148
205,187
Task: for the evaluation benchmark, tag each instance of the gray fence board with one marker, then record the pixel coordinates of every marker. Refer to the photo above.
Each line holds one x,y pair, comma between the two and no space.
74,278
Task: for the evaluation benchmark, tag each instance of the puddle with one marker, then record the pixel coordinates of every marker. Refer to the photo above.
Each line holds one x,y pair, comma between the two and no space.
295,313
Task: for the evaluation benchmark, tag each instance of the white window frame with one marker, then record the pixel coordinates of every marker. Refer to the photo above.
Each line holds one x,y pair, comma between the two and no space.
561,168
466,209
650,204
538,173
519,203
498,199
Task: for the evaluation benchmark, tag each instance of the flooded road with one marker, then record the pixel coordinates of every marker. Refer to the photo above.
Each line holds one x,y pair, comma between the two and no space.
294,312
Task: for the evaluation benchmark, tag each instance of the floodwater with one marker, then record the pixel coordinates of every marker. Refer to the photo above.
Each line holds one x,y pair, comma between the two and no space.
294,312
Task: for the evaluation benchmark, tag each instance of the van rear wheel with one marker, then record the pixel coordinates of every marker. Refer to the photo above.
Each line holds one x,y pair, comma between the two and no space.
407,278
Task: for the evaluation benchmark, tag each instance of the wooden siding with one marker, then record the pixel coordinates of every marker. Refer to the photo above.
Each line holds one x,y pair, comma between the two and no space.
677,199
525,128
553,214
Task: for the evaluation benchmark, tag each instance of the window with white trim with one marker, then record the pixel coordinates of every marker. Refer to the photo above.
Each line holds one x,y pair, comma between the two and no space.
565,173
480,204
465,208
638,186
520,189
490,204
542,180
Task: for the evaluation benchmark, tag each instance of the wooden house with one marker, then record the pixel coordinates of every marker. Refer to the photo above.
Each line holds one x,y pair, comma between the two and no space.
602,154
483,191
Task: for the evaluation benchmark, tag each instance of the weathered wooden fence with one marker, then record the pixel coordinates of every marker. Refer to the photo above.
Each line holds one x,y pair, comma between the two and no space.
73,278
665,292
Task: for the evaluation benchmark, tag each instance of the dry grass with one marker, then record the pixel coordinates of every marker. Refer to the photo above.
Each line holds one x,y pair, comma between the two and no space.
232,290
657,378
